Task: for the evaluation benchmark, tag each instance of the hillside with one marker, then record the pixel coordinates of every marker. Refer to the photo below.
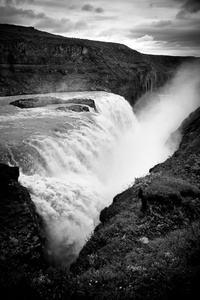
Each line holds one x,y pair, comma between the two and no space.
33,61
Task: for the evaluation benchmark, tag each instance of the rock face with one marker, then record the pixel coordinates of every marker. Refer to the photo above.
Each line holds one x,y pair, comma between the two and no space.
22,238
38,62
8,175
21,230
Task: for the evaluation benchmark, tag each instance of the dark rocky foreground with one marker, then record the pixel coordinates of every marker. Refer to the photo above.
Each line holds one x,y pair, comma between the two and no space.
33,61
147,245
22,232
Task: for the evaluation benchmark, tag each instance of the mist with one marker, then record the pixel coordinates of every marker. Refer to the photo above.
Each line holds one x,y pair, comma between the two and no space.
160,114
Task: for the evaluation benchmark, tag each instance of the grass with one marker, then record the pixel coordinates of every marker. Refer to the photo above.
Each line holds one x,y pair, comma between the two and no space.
171,261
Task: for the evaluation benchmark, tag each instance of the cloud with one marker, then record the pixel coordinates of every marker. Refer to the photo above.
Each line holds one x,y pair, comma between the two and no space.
39,4
161,23
17,2
72,6
189,7
165,3
11,14
89,7
16,15
145,38
177,35
99,10
62,25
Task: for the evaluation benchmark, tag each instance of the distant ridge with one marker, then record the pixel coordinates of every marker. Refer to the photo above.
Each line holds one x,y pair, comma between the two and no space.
34,61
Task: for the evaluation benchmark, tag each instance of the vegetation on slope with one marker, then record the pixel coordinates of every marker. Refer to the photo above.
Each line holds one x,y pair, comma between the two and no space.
147,253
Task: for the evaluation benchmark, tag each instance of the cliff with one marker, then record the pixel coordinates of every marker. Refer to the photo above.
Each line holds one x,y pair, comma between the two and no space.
33,61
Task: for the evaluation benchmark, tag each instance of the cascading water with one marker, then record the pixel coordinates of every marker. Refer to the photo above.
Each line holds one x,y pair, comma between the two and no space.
73,164
73,172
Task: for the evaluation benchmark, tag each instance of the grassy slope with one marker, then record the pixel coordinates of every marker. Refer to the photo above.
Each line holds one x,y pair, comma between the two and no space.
117,264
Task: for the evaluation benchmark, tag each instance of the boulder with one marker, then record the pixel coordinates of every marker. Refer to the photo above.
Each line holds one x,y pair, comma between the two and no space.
83,101
8,174
74,107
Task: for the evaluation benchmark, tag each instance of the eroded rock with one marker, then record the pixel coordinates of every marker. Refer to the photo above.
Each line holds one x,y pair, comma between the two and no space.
83,101
74,107
8,174
21,228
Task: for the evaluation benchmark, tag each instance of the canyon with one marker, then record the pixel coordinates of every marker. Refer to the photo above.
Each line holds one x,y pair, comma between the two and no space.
146,245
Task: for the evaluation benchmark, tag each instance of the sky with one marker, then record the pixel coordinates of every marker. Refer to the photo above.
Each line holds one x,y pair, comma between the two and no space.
167,27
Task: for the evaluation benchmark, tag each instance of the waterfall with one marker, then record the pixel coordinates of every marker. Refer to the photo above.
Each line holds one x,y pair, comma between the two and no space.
73,164
74,173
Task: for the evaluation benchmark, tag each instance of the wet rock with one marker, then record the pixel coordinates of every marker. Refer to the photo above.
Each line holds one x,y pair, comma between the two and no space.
8,174
104,215
36,102
22,236
83,101
74,107
143,199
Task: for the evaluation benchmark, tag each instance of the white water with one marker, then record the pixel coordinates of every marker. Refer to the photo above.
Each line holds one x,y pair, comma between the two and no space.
75,163
82,170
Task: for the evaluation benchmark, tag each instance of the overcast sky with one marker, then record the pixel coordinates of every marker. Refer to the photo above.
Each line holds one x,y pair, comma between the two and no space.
170,27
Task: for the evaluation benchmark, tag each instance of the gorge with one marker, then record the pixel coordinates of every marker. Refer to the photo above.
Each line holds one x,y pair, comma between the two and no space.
74,163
